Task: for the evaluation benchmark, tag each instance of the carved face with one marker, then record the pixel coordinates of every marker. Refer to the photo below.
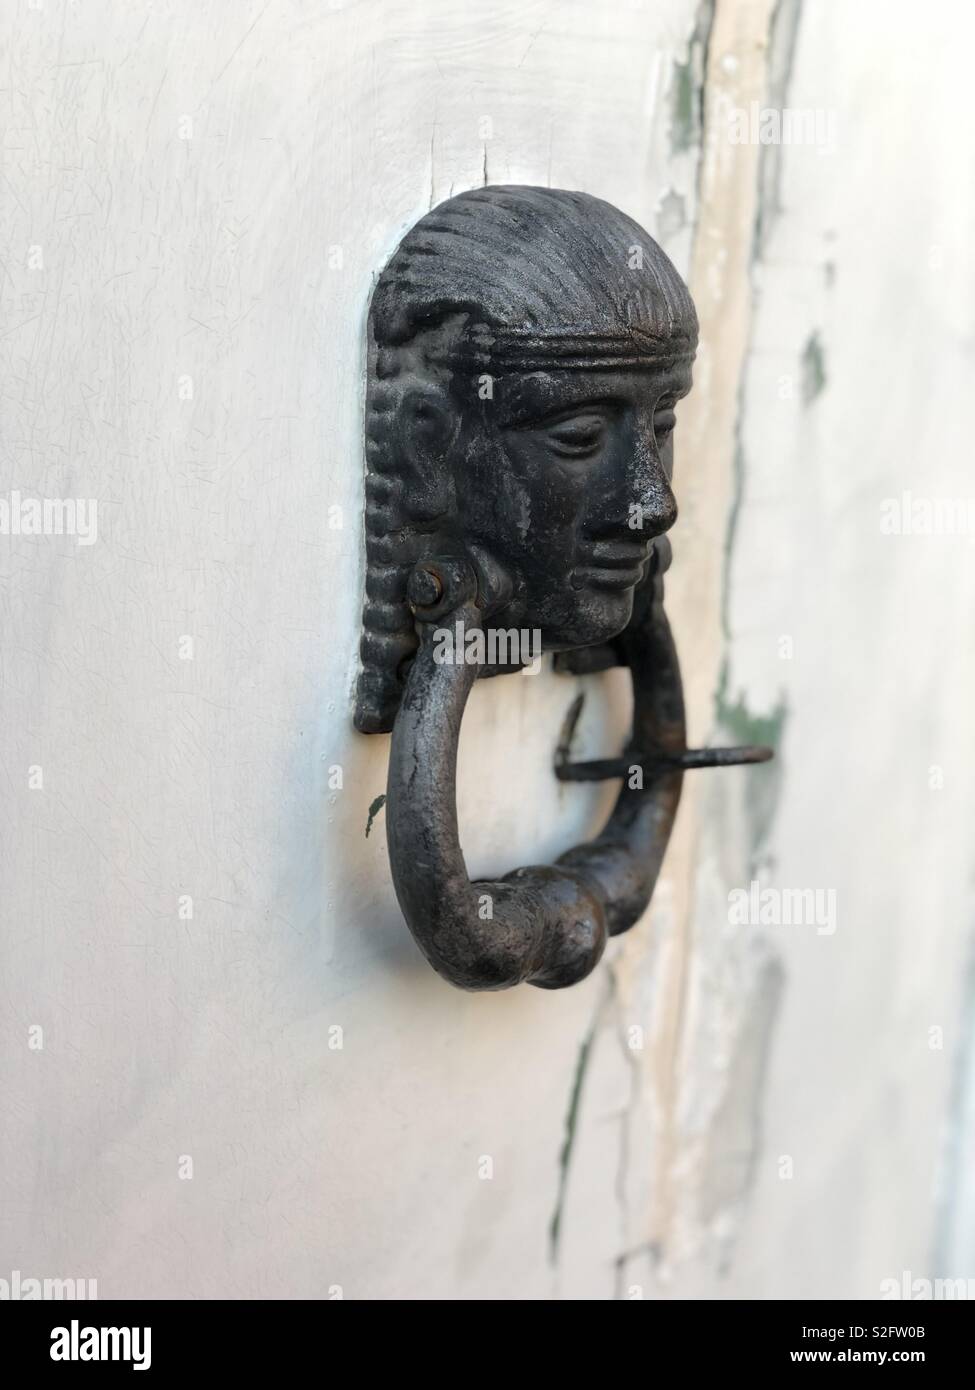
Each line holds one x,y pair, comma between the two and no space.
554,486
566,480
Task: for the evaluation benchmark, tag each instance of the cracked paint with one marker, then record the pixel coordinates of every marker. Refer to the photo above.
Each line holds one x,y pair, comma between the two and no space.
565,1154
734,1135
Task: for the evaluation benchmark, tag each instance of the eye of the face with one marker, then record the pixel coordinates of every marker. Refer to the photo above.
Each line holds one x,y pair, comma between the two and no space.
664,421
578,435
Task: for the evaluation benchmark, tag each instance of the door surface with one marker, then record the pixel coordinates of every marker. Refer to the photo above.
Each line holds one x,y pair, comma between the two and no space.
228,1072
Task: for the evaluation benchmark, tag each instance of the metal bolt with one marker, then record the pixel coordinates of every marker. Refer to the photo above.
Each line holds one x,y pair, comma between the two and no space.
425,588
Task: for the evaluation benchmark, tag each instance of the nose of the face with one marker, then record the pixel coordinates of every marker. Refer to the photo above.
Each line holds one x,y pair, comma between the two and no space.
633,497
654,502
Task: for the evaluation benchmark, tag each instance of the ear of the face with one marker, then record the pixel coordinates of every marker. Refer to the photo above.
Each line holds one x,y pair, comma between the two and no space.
426,427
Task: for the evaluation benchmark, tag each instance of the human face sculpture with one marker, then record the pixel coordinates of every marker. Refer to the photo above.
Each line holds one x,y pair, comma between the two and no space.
527,347
566,480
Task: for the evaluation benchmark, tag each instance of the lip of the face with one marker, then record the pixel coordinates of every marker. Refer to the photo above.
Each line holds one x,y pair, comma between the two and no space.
600,577
616,554
612,564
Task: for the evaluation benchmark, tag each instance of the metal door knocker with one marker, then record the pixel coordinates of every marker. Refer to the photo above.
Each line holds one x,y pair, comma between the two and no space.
527,347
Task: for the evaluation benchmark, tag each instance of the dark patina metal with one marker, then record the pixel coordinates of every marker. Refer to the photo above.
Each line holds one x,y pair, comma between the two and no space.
526,349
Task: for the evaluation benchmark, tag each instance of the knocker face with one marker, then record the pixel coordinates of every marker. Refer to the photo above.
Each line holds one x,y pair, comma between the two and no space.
527,347
566,482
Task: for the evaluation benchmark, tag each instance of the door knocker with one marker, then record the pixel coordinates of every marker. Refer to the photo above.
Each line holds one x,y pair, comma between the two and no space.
527,347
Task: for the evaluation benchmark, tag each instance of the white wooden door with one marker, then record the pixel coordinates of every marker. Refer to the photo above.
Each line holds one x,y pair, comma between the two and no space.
227,1069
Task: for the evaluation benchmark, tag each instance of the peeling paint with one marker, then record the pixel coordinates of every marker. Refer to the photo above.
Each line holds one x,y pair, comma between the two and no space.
734,512
687,88
727,1160
783,35
763,785
723,253
671,216
683,117
813,369
745,726
374,810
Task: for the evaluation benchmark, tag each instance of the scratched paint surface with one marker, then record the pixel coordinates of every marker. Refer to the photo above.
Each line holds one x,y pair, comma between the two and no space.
196,198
